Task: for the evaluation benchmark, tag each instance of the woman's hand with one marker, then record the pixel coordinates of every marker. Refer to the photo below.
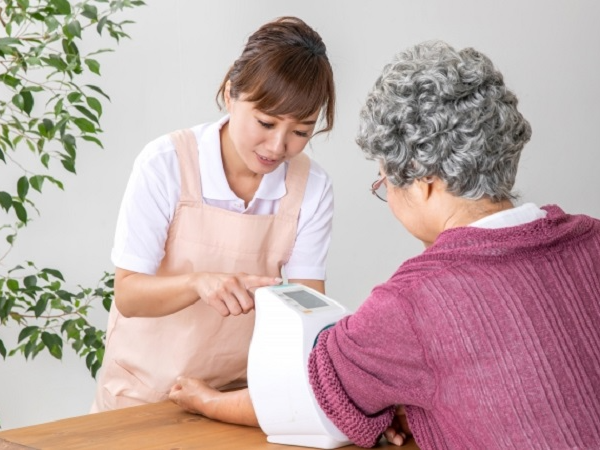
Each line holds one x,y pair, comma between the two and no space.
142,295
399,430
195,396
230,294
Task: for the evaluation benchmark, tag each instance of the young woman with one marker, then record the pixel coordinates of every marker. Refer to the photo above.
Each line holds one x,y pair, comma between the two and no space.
214,211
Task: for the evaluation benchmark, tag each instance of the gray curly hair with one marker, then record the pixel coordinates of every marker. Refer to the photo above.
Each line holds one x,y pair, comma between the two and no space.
435,111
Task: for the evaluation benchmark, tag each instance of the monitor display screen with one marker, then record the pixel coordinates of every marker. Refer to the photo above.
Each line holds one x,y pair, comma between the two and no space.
306,299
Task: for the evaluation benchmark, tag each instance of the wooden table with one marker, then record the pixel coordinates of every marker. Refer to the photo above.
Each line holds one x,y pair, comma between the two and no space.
156,426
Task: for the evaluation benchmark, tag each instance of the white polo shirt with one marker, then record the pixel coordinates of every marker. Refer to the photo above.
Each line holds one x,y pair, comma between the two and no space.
153,191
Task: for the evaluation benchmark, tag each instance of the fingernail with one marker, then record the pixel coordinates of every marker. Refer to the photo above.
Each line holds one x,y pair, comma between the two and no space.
278,280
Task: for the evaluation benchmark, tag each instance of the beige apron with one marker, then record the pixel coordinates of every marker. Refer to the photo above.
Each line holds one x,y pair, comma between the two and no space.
144,356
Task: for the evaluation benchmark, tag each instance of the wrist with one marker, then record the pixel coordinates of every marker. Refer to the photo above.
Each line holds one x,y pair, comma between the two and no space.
194,283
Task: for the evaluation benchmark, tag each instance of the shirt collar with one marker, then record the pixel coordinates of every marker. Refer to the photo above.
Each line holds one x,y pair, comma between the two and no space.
513,217
214,182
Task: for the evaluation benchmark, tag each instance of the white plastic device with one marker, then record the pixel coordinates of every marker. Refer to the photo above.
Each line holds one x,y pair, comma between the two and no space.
288,320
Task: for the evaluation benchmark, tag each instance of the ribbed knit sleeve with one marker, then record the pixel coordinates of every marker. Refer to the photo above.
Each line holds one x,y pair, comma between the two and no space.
361,429
367,364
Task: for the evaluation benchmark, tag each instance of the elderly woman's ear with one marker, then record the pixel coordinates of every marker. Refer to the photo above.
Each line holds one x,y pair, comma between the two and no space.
427,186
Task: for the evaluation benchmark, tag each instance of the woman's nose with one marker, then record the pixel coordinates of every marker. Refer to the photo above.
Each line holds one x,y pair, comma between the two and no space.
276,144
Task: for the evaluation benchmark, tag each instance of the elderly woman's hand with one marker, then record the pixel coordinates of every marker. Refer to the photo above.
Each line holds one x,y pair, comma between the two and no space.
398,432
197,397
193,395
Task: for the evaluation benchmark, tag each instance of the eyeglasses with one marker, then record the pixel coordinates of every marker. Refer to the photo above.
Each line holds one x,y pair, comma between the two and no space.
379,189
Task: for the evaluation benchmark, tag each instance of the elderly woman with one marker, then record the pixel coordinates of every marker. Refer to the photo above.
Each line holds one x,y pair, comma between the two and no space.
488,339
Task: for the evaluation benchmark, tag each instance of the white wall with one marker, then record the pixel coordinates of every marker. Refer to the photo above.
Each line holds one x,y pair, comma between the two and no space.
167,76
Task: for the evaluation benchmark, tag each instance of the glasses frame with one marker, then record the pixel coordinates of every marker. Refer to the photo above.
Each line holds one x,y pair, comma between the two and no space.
376,185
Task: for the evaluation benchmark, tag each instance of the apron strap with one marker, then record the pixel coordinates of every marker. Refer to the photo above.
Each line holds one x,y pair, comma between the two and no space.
295,184
186,148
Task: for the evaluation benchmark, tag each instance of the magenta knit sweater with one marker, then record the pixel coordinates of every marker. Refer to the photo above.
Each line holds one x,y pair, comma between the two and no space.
491,338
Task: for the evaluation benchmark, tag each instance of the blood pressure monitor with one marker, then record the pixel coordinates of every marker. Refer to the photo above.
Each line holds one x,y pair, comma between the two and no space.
288,320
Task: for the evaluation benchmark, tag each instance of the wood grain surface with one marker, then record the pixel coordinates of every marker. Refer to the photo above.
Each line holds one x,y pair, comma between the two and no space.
155,426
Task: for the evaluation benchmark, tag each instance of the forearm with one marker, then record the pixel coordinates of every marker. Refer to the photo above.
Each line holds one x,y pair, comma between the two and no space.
197,397
232,407
142,295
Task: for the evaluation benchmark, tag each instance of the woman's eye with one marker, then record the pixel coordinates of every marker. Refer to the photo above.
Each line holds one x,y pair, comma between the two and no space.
266,125
303,134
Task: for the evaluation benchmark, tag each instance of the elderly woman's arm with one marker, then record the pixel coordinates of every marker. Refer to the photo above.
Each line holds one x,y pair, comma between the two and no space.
236,407
197,397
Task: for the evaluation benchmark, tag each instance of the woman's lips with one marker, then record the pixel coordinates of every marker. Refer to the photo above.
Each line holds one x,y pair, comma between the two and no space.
266,161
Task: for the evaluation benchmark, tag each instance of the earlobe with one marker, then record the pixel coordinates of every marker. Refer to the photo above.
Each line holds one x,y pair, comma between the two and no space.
426,187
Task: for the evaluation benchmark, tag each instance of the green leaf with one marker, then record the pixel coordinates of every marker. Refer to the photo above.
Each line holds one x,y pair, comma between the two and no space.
101,24
26,332
98,90
33,89
41,305
90,359
10,80
84,125
71,51
45,159
64,295
56,61
87,113
69,165
95,104
93,139
62,6
5,200
6,305
12,285
93,65
22,187
53,343
70,146
20,211
27,101
8,41
56,182
73,29
19,101
90,11
58,107
46,128
48,124
2,349
53,272
36,182
23,3
30,281
74,97
51,23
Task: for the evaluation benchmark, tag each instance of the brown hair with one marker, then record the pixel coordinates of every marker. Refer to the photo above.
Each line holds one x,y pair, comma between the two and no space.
284,69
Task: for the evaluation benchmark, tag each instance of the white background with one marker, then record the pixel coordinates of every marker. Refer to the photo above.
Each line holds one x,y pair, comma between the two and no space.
167,76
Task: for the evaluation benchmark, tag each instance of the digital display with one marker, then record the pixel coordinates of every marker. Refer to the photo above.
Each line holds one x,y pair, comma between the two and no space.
306,299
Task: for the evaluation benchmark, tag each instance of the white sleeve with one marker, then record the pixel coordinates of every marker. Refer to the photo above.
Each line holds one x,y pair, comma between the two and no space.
147,208
309,256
